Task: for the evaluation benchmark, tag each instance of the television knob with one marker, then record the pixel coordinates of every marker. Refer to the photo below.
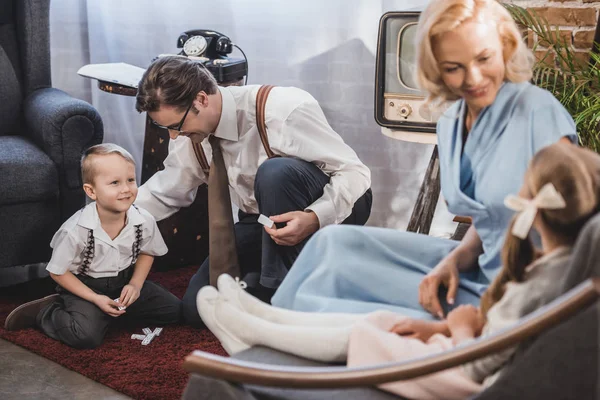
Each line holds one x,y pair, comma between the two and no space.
404,110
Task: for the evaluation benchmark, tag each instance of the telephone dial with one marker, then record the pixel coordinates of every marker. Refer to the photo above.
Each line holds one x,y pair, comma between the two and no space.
204,43
211,49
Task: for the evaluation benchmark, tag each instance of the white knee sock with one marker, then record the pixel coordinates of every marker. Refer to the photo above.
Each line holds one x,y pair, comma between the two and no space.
231,290
328,344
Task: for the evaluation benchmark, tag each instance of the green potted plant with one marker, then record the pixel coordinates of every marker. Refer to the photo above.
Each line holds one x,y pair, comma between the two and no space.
575,83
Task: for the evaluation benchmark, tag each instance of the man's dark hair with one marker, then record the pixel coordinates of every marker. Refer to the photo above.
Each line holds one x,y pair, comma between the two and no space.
173,81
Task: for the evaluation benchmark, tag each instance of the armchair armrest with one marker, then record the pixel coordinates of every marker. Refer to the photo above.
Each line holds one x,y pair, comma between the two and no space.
63,127
340,377
462,220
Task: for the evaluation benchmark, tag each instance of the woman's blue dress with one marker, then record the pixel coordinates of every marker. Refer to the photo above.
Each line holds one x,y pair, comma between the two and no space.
361,269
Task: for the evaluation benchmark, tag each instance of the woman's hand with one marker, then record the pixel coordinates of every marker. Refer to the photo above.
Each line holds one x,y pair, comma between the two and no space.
445,273
465,321
462,258
420,329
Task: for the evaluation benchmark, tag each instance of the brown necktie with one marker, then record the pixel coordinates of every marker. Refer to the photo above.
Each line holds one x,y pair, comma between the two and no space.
222,254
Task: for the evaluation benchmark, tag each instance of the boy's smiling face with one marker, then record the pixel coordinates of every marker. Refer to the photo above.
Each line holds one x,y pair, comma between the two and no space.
114,187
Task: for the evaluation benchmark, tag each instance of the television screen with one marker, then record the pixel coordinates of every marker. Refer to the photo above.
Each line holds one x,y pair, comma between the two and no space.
399,104
400,58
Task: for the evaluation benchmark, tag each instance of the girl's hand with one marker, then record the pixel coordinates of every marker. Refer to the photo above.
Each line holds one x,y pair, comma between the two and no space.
465,318
419,329
129,294
108,306
445,273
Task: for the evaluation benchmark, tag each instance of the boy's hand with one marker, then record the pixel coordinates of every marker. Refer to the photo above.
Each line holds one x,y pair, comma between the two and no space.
108,306
129,294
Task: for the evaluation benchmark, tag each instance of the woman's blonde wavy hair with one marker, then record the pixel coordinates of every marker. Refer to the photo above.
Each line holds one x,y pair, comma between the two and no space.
442,16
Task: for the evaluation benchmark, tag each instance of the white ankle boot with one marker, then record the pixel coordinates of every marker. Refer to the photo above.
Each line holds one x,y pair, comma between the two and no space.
233,290
207,300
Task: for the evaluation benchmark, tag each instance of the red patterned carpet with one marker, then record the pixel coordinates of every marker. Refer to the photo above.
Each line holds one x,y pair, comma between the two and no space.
142,372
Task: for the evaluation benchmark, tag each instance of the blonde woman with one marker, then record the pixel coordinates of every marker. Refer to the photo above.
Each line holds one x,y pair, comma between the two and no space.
470,51
559,196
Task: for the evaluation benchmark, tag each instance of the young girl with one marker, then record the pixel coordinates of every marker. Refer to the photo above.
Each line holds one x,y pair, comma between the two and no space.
559,195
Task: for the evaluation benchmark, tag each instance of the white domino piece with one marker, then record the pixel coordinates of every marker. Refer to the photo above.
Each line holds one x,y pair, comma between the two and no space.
119,307
147,340
148,335
265,221
138,337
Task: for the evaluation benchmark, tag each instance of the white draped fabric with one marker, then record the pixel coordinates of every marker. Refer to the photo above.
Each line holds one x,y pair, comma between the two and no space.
325,47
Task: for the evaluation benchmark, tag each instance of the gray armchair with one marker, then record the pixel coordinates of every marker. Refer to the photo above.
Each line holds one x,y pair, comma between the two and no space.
43,132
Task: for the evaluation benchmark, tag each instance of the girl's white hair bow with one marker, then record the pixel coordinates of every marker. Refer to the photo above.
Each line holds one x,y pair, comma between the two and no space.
547,198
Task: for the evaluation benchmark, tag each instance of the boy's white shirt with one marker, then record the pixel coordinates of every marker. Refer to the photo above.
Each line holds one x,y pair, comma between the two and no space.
111,256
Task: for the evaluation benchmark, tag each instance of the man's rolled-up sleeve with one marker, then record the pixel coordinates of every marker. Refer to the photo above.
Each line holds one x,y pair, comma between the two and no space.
175,186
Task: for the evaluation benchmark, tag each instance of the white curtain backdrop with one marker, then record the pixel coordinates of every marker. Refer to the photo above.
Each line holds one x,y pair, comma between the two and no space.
325,47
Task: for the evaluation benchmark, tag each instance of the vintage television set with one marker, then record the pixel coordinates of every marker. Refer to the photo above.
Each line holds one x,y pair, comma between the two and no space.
400,107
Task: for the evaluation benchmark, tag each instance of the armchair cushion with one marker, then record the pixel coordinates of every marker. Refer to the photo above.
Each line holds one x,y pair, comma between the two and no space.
26,173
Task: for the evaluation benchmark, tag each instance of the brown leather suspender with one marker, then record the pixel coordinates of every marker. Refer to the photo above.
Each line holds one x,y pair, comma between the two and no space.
261,101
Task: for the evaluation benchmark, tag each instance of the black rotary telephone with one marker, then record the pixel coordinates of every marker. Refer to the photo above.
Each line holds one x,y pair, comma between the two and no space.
204,43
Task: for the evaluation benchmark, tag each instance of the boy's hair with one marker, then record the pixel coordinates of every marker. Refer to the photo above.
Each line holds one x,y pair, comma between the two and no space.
174,81
103,149
575,173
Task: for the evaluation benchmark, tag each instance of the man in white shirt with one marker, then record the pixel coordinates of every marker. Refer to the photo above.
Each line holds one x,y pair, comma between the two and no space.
318,180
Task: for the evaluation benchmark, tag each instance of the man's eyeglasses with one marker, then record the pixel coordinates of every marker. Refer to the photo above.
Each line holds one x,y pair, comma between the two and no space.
180,125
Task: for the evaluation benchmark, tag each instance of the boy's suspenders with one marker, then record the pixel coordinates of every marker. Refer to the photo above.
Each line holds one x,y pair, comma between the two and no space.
88,254
89,250
261,101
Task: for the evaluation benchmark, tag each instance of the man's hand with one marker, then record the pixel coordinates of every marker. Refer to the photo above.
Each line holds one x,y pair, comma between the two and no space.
300,225
445,273
108,306
129,294
419,329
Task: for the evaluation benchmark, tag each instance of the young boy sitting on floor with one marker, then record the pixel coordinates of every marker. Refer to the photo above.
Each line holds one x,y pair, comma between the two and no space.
100,260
